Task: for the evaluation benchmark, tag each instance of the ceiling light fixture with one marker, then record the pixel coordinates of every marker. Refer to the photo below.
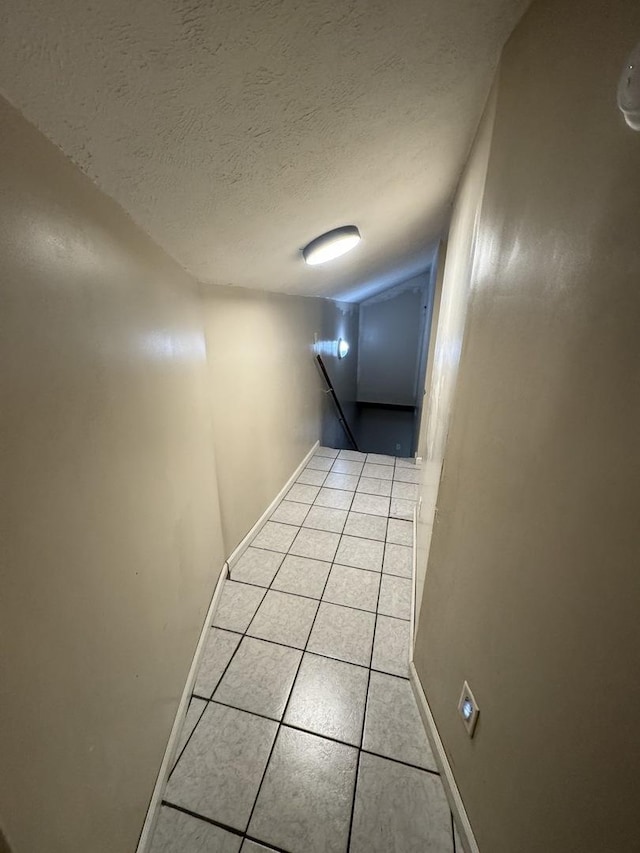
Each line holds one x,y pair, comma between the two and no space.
331,245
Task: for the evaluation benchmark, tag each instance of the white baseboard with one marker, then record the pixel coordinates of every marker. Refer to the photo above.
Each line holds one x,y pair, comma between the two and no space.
446,774
169,754
242,547
167,761
414,582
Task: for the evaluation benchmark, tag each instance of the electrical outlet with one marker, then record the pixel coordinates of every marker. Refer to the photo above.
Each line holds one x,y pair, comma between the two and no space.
468,709
397,447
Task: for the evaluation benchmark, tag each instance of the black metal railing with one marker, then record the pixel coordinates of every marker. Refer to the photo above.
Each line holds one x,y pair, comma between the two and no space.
341,415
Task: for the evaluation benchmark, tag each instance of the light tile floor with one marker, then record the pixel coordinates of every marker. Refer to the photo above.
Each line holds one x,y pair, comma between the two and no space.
303,734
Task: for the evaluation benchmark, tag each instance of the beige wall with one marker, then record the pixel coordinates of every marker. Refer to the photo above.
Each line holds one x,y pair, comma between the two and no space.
437,275
452,314
113,535
111,542
265,393
533,586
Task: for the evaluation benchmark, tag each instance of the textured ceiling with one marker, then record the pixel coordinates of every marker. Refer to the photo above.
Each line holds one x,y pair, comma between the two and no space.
234,132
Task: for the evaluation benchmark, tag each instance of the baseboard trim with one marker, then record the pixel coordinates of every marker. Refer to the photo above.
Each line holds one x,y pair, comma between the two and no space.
446,773
414,583
167,761
169,753
242,547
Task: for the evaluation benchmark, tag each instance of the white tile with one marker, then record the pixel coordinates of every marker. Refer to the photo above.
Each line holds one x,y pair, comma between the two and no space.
391,646
407,491
405,463
393,726
400,532
343,466
218,651
257,566
380,472
353,587
302,576
194,712
398,560
219,772
251,847
360,553
352,455
328,698
290,512
373,486
317,544
275,536
326,451
366,526
371,504
302,493
311,477
284,618
237,605
320,463
395,597
305,800
347,482
401,508
334,498
325,518
343,633
380,459
399,808
175,830
407,475
259,678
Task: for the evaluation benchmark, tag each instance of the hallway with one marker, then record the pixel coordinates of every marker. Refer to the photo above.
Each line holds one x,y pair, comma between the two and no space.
302,732
198,202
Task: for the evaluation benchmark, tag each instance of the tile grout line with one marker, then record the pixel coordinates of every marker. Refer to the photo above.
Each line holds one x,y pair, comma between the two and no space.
364,714
335,603
302,729
219,681
309,652
304,651
280,723
224,672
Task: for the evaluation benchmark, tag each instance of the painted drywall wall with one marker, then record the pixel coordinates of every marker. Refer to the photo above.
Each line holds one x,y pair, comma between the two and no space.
452,314
532,587
111,541
340,320
437,279
391,330
267,394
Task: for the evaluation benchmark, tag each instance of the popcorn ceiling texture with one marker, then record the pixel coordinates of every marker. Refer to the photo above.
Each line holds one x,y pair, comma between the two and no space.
235,132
